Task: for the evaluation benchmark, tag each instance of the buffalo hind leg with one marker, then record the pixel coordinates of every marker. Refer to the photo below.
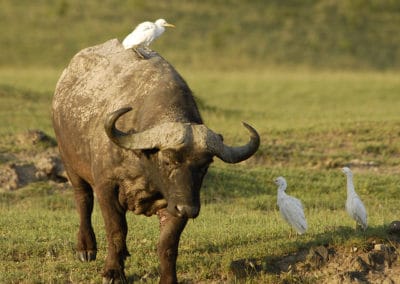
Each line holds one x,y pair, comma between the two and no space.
86,245
171,228
116,231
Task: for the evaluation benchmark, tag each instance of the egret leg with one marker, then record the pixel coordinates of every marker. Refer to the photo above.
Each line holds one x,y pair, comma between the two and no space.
138,53
148,49
359,227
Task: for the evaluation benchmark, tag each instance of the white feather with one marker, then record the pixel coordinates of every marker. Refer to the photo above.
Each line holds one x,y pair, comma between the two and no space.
145,33
354,206
290,208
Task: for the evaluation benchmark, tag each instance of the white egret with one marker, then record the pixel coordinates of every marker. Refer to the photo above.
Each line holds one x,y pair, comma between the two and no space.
290,208
354,206
144,34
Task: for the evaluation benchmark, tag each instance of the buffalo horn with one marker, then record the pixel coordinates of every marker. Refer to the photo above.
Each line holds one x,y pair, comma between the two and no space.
173,134
237,154
165,135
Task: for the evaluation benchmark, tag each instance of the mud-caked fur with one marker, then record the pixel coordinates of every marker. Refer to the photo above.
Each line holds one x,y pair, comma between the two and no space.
107,157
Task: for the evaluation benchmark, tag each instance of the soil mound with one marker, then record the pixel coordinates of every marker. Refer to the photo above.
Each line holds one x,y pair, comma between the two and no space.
35,158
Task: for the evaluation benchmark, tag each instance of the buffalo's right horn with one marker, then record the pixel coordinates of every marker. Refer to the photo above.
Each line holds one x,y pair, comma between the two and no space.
161,136
112,132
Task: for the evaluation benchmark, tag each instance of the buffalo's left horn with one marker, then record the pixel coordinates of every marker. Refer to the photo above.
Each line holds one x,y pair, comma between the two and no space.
237,154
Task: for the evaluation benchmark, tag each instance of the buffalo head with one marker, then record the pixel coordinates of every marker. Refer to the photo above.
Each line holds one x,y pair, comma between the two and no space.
178,155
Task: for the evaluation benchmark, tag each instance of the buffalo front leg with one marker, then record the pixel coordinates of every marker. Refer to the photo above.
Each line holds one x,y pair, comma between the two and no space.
86,246
116,231
171,228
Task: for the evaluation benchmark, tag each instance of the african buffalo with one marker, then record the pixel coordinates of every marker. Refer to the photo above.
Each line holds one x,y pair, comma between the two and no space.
129,132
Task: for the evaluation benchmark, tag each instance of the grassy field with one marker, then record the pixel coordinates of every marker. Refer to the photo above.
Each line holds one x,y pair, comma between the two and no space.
231,34
311,124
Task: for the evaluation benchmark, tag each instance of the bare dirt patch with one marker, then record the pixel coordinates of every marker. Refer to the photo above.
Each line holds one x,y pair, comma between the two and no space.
377,262
36,158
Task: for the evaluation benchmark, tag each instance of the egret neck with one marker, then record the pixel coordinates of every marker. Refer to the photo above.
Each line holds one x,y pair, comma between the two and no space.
350,185
281,189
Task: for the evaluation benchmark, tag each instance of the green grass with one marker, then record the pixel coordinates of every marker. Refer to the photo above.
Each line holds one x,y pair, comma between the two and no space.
345,119
210,34
25,99
282,99
237,222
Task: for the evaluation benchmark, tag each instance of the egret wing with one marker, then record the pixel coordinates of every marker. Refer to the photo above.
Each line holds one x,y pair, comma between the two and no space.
359,212
142,34
291,210
144,26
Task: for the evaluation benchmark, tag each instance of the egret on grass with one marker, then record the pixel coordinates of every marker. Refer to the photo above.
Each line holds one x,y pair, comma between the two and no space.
354,206
144,34
290,208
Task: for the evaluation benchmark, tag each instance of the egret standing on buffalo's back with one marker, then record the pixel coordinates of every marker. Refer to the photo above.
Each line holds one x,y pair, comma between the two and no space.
144,34
290,208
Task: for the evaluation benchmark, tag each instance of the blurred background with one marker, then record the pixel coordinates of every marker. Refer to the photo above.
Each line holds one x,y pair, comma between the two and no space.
211,34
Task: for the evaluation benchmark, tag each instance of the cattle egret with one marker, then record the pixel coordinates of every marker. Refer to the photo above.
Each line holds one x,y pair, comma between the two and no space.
290,208
354,206
144,34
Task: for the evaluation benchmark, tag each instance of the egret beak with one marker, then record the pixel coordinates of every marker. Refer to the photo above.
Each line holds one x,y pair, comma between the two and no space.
169,25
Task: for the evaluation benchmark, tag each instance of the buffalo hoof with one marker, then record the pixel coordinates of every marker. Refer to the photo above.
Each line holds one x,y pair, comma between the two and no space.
115,277
86,256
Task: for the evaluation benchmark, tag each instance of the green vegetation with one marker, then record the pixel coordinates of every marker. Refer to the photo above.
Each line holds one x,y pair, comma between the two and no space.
239,220
310,125
211,34
274,65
